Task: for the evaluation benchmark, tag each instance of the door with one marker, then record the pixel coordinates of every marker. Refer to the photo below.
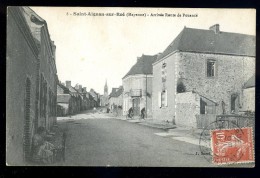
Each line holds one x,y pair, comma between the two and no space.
136,106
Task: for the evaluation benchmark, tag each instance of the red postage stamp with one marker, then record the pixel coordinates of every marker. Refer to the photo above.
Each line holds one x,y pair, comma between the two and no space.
232,146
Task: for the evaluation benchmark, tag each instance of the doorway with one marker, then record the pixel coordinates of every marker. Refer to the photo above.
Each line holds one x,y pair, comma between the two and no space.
136,106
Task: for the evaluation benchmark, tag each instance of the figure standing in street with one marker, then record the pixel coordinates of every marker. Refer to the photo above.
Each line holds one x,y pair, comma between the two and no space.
143,113
130,113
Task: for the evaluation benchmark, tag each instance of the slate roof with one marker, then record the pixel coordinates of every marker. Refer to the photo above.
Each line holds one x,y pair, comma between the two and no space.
116,92
30,17
65,89
250,83
207,41
113,92
143,65
72,89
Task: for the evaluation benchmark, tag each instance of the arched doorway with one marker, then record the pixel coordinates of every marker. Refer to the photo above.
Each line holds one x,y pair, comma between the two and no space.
26,134
136,106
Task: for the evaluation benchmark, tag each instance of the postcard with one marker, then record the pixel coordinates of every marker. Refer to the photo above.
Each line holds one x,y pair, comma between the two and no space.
130,87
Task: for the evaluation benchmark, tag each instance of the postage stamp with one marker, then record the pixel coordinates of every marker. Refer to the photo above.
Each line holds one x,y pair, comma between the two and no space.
232,145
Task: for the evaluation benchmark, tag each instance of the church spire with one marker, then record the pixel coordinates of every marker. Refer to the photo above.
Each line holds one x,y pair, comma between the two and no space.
106,89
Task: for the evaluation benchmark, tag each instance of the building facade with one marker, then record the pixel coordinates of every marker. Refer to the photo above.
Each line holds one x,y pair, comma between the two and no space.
137,84
31,82
205,63
95,98
47,76
116,100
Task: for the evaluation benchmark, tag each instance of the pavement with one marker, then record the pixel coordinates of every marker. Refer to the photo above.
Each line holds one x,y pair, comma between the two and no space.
185,134
97,139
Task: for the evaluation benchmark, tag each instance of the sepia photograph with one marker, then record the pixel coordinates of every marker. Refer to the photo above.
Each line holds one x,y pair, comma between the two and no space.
130,87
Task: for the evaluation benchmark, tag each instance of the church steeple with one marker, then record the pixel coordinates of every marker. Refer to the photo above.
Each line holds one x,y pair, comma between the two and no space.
106,89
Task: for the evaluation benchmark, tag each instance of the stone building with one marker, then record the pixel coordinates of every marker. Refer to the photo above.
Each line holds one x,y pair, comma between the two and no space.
137,84
208,68
47,70
95,98
66,103
76,108
31,81
116,100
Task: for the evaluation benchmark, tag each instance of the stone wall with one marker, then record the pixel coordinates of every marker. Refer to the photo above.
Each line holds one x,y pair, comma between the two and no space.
249,99
188,106
231,74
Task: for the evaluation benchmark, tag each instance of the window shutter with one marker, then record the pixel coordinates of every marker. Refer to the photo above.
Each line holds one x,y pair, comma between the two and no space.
166,98
159,99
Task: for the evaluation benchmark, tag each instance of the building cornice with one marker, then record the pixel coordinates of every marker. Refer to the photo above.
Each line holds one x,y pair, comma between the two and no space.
138,76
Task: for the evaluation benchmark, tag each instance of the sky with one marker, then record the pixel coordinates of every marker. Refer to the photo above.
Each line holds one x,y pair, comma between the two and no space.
93,49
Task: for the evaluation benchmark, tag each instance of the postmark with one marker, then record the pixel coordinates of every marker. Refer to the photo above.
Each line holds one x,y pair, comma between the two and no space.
224,142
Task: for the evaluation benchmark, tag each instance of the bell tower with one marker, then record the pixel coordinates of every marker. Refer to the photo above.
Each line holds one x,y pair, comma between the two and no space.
106,89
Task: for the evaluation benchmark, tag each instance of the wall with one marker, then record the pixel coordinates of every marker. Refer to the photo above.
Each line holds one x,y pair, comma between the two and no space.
249,99
231,74
48,70
168,112
21,63
188,106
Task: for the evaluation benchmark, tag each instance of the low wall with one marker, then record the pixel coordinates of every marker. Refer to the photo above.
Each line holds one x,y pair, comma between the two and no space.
187,107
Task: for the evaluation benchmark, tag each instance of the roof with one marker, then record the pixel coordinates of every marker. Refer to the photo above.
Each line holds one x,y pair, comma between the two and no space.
113,92
250,83
72,89
63,98
207,41
143,65
65,89
30,17
116,92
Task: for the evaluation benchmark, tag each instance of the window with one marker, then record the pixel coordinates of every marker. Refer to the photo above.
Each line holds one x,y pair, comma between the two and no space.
163,98
211,68
234,103
164,72
203,106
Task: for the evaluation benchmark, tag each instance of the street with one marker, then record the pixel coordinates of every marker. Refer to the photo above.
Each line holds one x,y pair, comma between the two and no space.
95,139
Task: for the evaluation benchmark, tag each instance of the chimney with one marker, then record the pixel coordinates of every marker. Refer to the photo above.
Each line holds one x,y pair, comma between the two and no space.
84,89
158,54
68,84
215,28
80,87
